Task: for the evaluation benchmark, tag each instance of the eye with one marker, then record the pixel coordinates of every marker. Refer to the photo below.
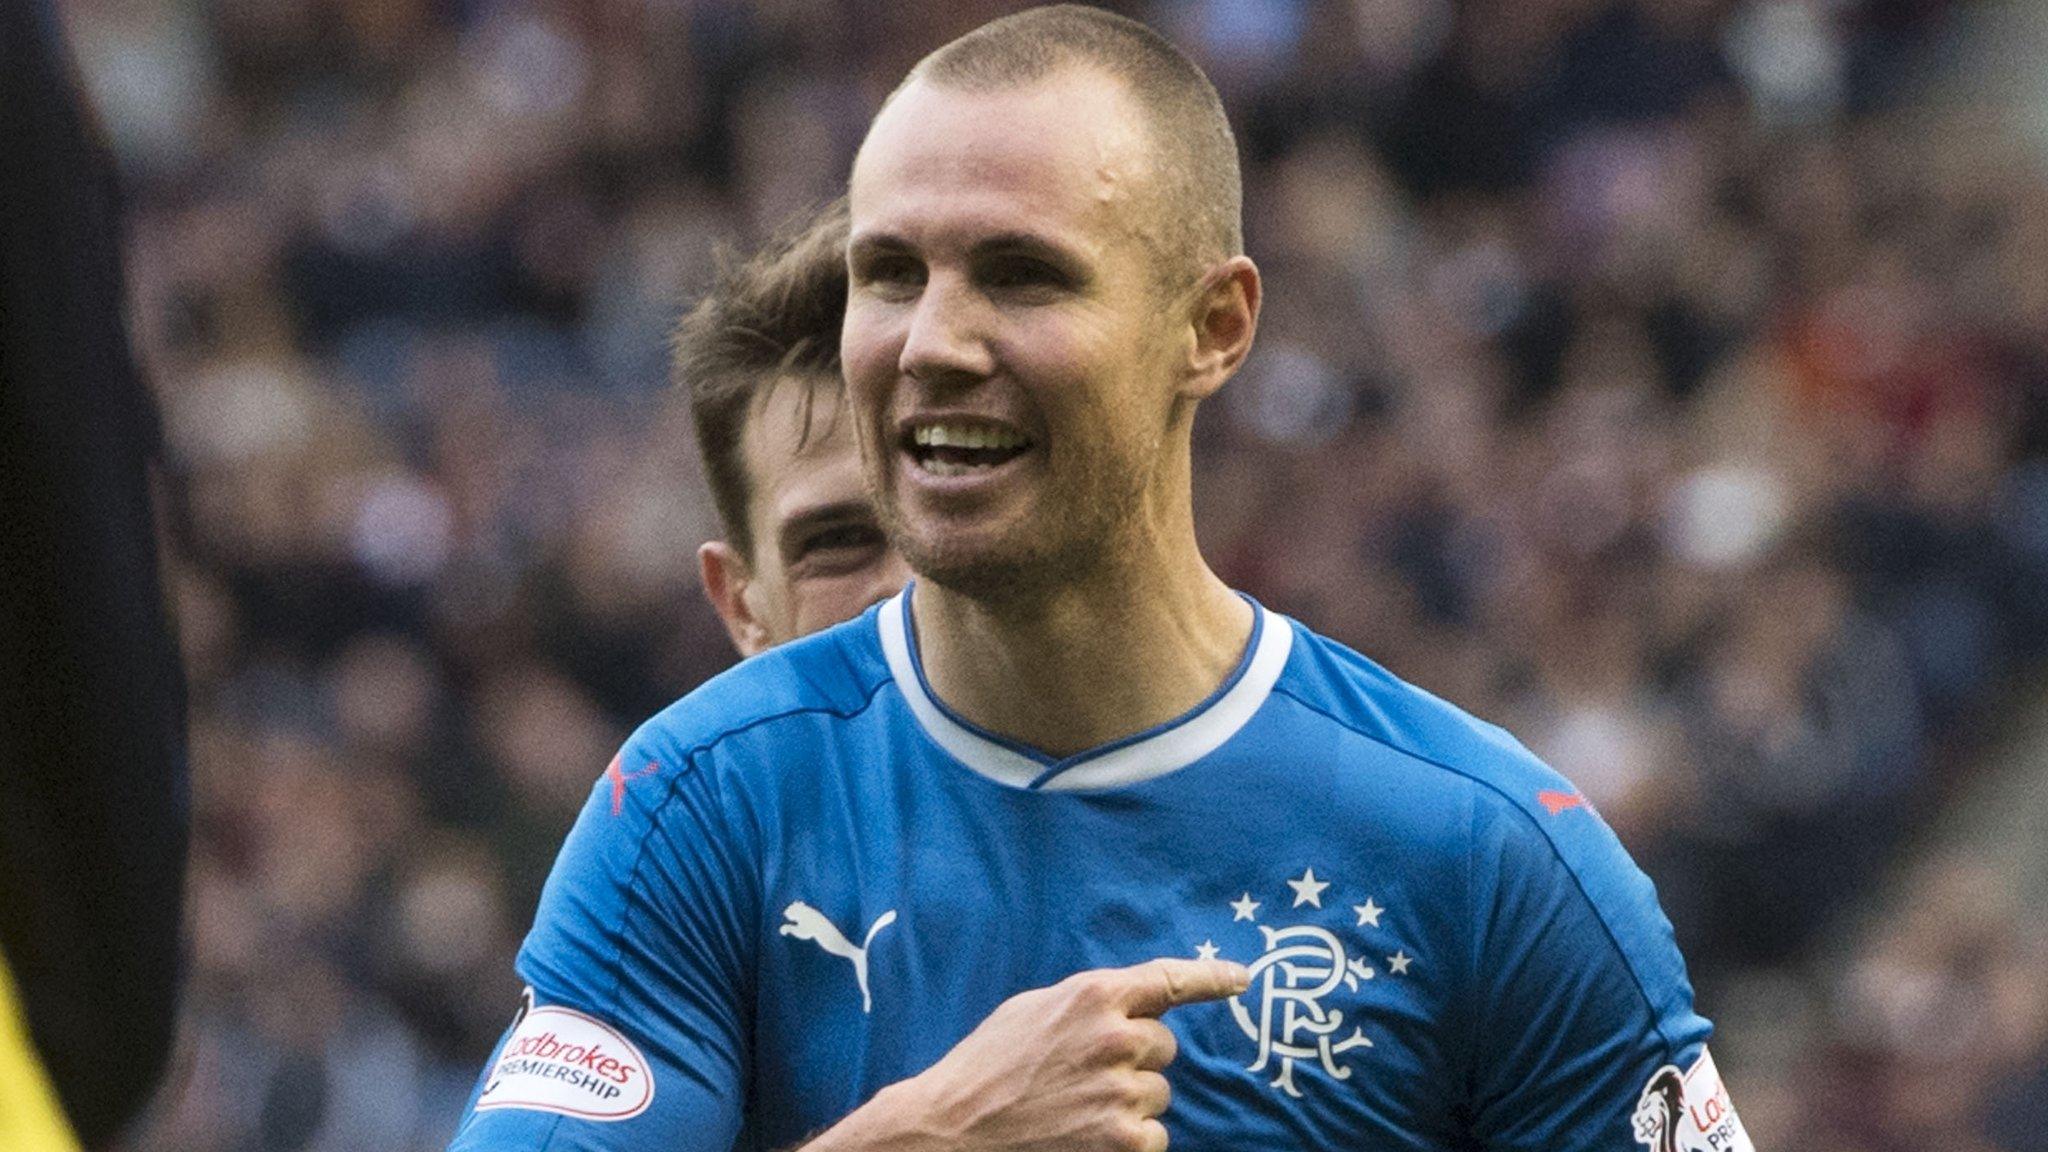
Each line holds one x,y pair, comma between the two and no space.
844,536
887,272
838,548
1013,273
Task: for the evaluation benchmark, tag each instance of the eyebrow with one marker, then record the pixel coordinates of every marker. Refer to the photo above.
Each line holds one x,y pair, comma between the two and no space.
876,244
1027,244
1001,244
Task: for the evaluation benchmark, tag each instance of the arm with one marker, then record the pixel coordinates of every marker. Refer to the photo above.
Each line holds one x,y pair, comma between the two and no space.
1583,1033
634,1033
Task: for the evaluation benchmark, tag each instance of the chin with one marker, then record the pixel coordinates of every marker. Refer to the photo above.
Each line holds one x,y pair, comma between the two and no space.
1002,554
993,571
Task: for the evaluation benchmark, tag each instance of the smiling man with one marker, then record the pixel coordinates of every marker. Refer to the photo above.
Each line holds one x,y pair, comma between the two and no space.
1069,845
759,357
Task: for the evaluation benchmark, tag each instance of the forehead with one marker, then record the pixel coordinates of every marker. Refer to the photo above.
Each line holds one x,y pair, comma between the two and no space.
787,479
1065,153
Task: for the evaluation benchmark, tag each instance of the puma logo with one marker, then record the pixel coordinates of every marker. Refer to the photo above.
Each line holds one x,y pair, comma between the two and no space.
807,923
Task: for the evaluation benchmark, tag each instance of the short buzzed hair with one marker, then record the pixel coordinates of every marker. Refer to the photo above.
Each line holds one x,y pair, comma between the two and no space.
1201,186
767,318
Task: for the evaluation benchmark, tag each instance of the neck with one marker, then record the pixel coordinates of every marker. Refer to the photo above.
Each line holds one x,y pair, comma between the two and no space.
1098,657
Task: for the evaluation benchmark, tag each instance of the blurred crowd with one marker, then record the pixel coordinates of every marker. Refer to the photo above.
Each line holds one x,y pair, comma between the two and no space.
1665,379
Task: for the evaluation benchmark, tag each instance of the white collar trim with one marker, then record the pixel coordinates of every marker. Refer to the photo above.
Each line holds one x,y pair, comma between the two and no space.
1173,747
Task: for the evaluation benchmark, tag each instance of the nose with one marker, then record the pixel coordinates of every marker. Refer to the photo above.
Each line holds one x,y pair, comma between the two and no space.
947,342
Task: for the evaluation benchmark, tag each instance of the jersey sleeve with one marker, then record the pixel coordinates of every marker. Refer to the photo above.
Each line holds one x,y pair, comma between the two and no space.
633,1031
1583,1034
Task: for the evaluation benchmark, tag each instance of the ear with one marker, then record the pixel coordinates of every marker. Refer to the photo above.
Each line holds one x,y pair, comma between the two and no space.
1224,314
726,577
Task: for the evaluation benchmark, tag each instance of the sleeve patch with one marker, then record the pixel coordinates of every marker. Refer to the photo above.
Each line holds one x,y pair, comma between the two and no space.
1689,1111
560,1060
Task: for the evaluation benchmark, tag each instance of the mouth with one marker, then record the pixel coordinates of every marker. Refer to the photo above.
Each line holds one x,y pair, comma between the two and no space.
962,447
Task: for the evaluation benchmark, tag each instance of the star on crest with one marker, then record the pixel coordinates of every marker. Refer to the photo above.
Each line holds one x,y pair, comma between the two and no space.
1244,908
1308,890
1398,963
1206,951
1368,913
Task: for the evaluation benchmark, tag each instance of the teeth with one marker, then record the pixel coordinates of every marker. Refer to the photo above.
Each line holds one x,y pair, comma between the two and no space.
965,436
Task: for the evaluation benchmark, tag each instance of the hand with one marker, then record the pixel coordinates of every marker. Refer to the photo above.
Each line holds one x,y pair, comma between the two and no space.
1071,1068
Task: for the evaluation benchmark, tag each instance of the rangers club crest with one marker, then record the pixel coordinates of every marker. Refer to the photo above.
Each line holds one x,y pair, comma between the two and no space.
1302,1006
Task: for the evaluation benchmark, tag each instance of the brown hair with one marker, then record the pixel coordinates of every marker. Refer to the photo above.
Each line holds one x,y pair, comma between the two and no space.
1201,187
766,318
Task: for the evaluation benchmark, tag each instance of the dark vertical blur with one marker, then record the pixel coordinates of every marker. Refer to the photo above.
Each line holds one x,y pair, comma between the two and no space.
92,761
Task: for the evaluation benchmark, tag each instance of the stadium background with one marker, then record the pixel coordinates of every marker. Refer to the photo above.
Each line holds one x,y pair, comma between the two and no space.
1666,379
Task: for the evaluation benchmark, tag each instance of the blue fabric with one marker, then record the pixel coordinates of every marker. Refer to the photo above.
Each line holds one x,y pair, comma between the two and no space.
1441,960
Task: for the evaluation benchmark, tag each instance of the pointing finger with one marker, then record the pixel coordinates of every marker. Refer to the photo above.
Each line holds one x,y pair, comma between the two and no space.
1158,985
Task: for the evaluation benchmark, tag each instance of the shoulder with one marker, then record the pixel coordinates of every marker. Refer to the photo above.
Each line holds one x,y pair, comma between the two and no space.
833,674
1537,850
1522,816
1352,692
1515,795
672,829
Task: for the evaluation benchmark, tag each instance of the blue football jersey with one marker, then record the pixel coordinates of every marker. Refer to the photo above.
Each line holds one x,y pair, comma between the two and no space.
809,879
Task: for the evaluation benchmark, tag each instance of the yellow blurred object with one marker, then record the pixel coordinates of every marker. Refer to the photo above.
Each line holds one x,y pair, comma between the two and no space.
30,1118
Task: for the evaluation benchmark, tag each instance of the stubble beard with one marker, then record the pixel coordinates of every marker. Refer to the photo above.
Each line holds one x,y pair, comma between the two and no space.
1071,535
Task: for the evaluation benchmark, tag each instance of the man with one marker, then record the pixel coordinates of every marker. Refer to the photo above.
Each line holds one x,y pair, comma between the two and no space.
93,824
802,549
931,879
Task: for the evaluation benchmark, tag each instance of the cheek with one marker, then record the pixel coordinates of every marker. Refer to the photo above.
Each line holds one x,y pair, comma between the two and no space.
870,345
824,601
1066,364
1086,378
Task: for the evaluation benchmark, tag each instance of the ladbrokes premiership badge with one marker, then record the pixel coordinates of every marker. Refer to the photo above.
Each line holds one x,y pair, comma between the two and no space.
1689,1111
1303,1003
563,1061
